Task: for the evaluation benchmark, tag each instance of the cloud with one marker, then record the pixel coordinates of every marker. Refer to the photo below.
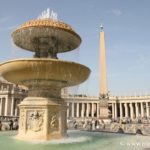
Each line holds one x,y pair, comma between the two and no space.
4,19
9,28
142,62
116,12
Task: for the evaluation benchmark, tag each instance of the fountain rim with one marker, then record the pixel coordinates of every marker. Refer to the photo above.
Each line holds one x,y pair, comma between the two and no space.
44,59
65,26
15,65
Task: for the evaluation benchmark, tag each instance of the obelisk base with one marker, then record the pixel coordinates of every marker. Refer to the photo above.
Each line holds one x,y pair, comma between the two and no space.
104,115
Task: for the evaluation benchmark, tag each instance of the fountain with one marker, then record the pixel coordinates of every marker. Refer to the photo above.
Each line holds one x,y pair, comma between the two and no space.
43,112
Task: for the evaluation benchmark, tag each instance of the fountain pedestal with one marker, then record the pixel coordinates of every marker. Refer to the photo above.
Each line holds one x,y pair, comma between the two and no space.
42,119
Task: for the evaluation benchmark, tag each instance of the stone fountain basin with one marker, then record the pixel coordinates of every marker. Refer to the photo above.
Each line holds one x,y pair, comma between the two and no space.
51,72
46,34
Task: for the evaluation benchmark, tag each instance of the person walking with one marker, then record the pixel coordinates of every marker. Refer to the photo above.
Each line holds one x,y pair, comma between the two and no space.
15,124
11,125
0,126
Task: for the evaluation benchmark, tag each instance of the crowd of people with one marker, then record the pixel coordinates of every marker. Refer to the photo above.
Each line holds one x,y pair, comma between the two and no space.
91,124
96,124
128,120
11,124
87,124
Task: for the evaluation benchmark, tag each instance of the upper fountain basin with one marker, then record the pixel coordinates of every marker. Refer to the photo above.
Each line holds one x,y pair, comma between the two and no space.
51,72
46,34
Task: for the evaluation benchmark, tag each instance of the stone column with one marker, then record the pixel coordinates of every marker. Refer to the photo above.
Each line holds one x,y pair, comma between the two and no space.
92,109
1,87
87,110
131,110
77,110
7,87
12,106
83,110
113,111
126,110
1,106
73,110
6,106
136,109
116,111
142,110
147,109
16,111
97,110
67,110
120,110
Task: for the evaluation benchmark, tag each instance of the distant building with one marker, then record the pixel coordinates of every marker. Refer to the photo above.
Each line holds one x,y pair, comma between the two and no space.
85,107
10,96
80,107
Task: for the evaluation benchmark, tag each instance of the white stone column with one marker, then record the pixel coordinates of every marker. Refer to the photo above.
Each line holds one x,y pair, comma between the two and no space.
7,87
126,110
113,111
1,87
83,110
72,110
67,110
92,109
131,110
142,110
16,111
12,106
121,110
1,103
147,109
16,107
77,110
136,110
6,106
116,111
87,110
98,110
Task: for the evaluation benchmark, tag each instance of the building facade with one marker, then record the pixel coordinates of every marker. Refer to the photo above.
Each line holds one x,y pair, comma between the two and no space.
80,106
85,107
10,96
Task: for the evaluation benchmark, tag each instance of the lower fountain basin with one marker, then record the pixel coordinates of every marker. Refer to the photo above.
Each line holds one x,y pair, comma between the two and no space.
51,72
43,113
78,140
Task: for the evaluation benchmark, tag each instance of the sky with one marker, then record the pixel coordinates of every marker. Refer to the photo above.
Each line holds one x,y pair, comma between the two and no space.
127,38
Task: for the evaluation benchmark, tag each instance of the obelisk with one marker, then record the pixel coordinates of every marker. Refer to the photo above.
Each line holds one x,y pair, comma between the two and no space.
103,78
103,93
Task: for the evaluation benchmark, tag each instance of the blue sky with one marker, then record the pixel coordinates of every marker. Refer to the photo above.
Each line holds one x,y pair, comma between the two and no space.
127,34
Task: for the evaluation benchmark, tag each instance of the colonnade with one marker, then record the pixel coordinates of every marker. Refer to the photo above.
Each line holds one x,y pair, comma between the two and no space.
9,106
130,109
82,109
118,109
